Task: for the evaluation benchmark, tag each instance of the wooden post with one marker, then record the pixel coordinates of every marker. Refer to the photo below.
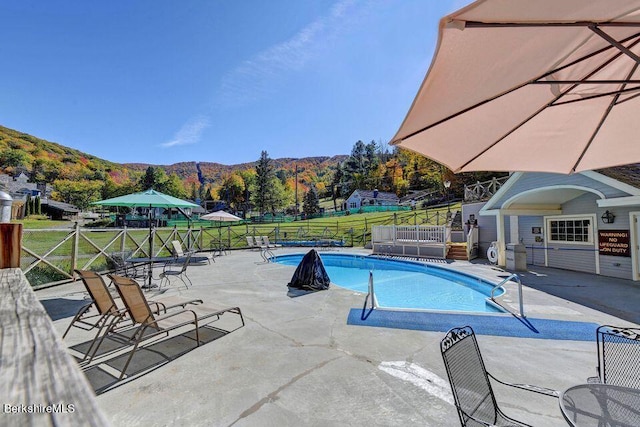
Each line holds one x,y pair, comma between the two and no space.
123,241
75,248
10,245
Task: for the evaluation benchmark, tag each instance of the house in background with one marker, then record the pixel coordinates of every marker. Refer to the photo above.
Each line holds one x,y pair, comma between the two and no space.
586,221
59,210
364,198
19,187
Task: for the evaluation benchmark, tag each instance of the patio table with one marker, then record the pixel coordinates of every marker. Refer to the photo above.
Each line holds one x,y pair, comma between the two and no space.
601,405
150,261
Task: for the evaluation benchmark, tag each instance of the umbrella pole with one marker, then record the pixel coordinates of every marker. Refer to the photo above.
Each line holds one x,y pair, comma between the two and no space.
150,250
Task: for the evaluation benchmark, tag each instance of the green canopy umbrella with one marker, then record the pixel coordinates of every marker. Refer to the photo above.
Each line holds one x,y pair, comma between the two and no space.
151,199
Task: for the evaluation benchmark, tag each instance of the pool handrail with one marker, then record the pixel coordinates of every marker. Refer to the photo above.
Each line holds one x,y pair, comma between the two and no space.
371,294
504,282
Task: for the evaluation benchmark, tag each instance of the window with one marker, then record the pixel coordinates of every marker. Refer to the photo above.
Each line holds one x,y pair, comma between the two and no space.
571,230
353,205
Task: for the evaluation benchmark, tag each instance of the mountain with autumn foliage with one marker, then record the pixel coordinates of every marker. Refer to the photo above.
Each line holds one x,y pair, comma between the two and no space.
309,168
73,171
80,178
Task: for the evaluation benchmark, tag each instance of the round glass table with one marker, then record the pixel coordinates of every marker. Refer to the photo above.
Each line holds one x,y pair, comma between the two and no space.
601,405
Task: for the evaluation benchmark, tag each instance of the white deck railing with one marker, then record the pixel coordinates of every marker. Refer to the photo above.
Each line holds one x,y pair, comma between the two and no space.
409,234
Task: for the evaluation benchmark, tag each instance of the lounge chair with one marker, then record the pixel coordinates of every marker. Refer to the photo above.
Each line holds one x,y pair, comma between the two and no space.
472,392
106,315
618,356
148,326
265,242
180,254
254,242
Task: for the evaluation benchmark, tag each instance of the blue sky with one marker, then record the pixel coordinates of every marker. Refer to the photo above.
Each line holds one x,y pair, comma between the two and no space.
164,81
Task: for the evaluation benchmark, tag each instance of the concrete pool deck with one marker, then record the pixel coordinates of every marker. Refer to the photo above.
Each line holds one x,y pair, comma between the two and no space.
297,362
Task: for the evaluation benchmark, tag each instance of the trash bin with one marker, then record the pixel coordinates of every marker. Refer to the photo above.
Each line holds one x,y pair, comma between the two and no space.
516,255
5,207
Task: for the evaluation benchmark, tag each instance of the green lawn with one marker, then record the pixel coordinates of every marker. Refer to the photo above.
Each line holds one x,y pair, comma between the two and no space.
30,223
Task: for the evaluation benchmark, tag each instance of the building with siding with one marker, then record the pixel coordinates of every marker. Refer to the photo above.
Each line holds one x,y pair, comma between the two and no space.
585,222
363,198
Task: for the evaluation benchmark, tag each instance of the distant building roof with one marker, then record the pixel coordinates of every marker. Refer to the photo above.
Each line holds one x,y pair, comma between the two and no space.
381,195
60,206
628,174
198,210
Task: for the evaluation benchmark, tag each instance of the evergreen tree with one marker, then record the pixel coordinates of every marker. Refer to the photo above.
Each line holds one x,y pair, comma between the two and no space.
28,206
38,206
264,192
194,191
311,203
149,179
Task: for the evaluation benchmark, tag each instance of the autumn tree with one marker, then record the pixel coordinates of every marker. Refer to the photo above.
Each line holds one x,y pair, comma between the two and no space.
232,190
173,186
78,193
157,179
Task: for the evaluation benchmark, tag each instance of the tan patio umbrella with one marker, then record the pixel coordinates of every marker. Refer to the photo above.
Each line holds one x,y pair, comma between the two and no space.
522,85
221,216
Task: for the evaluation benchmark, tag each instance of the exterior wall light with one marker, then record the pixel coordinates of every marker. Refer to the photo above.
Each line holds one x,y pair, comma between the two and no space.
608,217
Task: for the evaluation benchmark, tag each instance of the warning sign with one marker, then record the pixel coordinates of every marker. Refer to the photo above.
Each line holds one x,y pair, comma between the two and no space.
614,242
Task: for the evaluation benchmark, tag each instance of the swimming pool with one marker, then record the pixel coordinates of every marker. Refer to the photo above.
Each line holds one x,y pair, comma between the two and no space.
406,284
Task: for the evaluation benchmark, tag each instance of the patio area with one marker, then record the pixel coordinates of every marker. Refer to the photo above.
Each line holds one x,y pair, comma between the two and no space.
297,361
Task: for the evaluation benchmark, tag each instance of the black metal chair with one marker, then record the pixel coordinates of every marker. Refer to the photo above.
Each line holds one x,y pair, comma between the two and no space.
118,262
618,356
472,392
176,269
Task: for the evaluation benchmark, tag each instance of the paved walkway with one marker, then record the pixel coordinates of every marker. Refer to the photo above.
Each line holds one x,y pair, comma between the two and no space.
297,362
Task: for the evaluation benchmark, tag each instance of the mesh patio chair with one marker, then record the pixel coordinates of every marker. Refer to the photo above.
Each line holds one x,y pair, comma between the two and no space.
179,270
472,392
618,356
149,326
118,262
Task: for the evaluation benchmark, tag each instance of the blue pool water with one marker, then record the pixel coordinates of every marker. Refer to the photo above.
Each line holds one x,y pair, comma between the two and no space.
406,285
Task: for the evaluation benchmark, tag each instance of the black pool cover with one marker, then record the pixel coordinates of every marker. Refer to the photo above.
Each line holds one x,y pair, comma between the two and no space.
310,274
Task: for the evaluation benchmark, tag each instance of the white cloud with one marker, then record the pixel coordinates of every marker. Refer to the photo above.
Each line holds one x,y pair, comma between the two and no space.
190,132
261,75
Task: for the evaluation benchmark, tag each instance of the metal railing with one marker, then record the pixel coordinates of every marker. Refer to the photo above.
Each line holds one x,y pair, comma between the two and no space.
504,282
371,294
